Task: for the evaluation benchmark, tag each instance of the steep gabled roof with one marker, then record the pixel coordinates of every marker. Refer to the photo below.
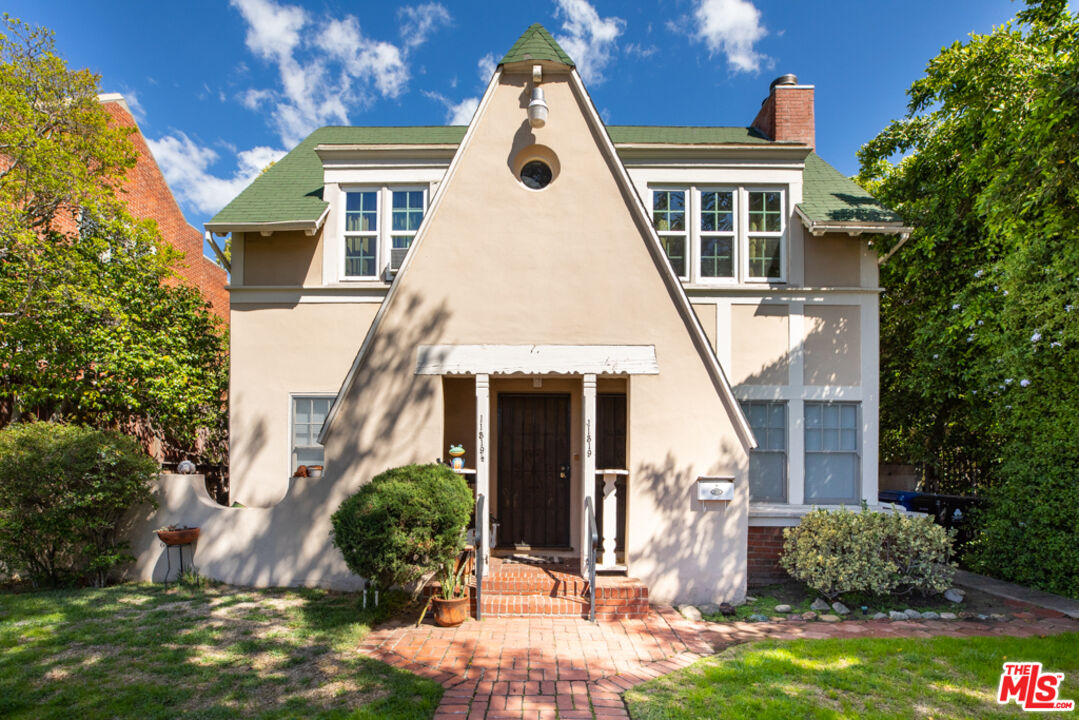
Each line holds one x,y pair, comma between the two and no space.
536,44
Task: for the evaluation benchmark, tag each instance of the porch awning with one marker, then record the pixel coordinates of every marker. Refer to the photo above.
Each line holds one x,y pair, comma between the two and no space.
536,360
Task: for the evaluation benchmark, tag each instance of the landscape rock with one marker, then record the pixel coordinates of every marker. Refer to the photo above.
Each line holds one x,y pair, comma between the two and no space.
840,608
757,617
807,616
690,612
997,616
830,618
726,609
948,616
964,615
783,608
880,616
981,616
709,609
820,605
912,614
894,615
777,618
930,615
750,599
954,595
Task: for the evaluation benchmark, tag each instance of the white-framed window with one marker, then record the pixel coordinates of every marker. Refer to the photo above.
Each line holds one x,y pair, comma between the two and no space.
717,234
766,249
379,224
308,414
832,453
768,461
669,218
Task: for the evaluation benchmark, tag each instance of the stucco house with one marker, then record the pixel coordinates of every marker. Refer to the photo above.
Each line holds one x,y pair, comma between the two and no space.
674,326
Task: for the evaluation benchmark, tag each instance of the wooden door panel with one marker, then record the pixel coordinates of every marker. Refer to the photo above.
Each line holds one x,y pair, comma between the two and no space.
533,448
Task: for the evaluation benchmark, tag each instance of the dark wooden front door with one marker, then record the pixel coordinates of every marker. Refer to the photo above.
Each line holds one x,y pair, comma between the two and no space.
533,470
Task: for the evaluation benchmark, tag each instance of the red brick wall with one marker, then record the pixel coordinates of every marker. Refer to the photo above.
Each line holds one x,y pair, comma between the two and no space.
148,196
788,115
765,546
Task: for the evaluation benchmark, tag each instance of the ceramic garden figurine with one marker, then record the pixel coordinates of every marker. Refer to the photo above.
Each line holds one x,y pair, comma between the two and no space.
457,452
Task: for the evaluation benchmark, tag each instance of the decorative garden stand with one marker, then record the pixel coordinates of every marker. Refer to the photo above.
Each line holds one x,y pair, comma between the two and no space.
179,539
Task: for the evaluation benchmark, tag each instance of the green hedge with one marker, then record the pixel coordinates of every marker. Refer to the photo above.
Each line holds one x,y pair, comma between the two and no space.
64,490
881,553
406,522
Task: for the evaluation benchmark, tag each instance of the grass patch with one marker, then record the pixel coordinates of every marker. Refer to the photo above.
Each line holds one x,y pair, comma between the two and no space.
879,679
139,651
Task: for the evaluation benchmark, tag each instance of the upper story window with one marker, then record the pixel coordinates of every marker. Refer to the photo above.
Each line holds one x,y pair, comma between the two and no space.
717,234
379,226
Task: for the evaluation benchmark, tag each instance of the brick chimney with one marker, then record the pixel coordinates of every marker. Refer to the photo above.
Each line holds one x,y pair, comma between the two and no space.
786,115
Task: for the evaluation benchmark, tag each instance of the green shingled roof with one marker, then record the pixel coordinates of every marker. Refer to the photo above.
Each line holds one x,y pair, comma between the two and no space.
829,196
536,44
685,135
291,190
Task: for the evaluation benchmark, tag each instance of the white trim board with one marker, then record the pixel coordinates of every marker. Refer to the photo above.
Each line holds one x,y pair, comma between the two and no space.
536,360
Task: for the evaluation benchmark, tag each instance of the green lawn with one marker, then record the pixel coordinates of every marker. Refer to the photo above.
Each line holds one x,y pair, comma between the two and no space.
137,651
939,678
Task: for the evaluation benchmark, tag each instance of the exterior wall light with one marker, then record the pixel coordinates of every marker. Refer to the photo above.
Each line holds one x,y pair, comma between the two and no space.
537,109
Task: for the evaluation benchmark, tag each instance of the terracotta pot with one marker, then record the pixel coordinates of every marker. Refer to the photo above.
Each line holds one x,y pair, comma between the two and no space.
450,613
178,537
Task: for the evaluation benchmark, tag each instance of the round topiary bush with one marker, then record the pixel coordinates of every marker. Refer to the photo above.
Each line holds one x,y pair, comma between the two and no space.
64,490
406,522
881,553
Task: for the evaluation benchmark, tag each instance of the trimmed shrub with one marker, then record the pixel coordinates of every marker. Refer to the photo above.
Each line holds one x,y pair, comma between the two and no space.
881,553
406,522
64,490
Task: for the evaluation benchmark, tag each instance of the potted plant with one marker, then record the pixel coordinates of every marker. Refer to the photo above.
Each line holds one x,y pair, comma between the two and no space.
451,604
177,534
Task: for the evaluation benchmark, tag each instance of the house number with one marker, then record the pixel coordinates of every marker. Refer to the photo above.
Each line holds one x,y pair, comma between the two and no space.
588,437
480,437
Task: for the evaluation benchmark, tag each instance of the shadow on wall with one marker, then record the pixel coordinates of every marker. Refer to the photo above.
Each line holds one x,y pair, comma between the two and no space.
288,543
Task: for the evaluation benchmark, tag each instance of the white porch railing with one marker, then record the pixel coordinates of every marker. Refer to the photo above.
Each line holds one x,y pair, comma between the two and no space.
611,522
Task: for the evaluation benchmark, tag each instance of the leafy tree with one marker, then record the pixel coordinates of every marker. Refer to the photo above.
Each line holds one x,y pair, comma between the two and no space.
980,326
95,327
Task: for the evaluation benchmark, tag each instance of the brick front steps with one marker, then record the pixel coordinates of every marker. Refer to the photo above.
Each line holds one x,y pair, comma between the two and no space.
557,590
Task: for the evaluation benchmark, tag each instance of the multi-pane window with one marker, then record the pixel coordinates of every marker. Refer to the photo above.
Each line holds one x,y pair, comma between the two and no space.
717,239
669,218
715,235
765,213
406,216
832,462
361,234
379,226
308,414
768,461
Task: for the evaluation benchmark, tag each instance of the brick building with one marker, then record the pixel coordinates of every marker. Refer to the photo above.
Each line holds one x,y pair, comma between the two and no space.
148,196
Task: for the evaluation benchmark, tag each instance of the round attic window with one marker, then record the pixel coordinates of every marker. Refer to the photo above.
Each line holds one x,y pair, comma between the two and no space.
536,174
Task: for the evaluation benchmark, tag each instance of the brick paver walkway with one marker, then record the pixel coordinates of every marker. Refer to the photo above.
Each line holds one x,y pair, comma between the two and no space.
545,668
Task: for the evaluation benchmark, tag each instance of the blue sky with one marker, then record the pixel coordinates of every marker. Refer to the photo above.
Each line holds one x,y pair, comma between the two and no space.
220,89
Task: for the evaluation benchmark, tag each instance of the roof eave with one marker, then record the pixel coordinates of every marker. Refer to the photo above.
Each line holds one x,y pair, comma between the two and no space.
309,227
853,228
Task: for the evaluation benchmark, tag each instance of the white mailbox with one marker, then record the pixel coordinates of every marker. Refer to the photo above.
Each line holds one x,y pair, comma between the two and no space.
715,488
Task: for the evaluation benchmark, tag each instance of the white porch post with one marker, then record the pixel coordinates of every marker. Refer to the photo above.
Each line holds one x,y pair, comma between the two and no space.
588,466
483,476
610,519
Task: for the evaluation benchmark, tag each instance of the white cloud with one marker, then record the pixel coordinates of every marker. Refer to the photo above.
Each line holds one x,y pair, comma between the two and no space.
186,166
459,113
588,39
731,28
486,67
327,67
420,21
137,110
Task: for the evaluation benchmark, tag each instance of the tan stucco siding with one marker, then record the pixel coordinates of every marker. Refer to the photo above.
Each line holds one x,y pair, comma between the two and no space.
706,314
833,261
278,350
498,263
759,344
283,258
832,345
